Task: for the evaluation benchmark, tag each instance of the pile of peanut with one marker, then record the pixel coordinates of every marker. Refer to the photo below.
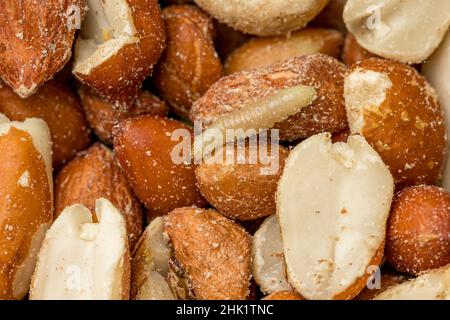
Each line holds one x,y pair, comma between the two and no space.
224,149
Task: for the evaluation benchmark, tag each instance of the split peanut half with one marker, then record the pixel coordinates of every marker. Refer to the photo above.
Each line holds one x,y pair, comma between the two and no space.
269,268
26,201
407,31
431,285
120,42
333,203
150,265
83,259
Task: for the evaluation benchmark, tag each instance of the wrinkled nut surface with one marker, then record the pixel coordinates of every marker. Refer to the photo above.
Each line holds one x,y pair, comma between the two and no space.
437,71
432,285
36,40
243,188
150,265
333,204
245,89
26,201
268,266
352,52
263,17
398,113
190,64
59,107
144,148
119,43
262,52
82,259
103,116
418,234
212,251
407,31
95,174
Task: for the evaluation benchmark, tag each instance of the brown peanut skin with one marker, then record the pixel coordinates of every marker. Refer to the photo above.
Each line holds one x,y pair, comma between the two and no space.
60,108
213,251
242,191
418,234
119,79
190,64
324,73
144,148
103,116
22,209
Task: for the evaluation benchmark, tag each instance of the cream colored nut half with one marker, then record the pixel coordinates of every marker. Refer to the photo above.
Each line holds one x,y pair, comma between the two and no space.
150,264
333,203
269,269
82,259
407,31
437,71
431,285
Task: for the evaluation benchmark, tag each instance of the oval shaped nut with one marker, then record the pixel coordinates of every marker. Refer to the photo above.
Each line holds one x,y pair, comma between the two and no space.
382,27
241,90
190,64
59,107
431,285
26,201
263,17
243,188
418,234
150,265
262,52
398,113
81,259
269,268
30,53
353,52
118,46
283,295
150,152
437,71
333,204
213,252
95,174
103,116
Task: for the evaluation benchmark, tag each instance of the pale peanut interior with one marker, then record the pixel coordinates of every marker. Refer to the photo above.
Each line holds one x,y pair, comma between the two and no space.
389,28
151,263
269,269
333,203
432,285
107,28
80,259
